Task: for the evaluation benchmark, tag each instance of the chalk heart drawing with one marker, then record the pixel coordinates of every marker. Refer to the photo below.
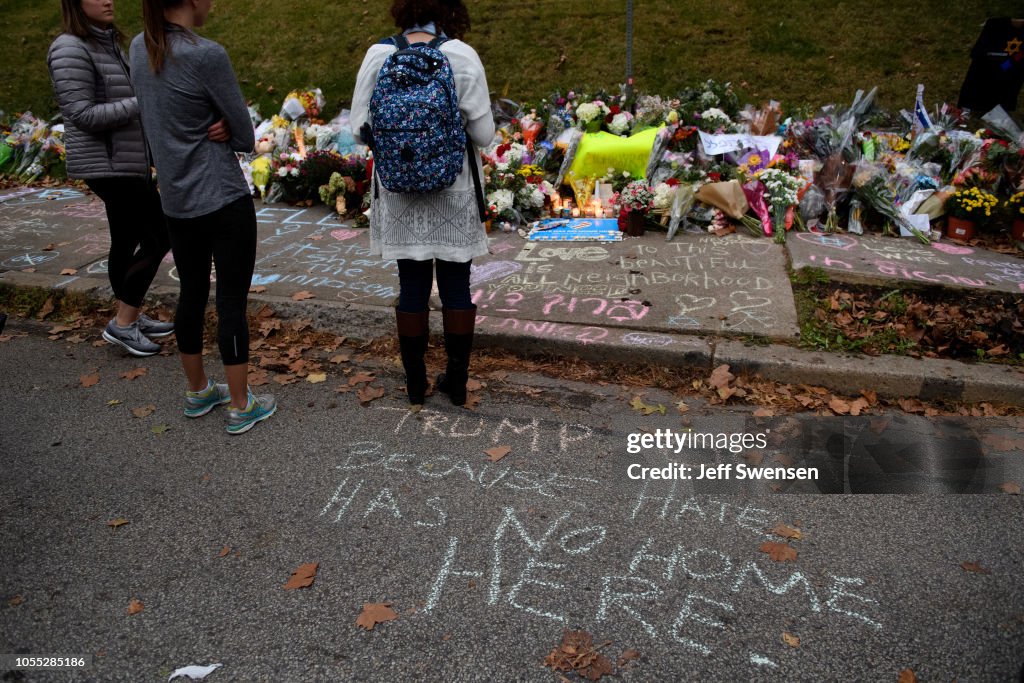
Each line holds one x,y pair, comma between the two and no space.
494,270
842,242
258,279
688,303
742,301
758,248
952,249
644,339
342,235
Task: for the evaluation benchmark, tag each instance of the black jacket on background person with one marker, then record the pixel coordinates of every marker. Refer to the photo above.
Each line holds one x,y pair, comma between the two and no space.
997,67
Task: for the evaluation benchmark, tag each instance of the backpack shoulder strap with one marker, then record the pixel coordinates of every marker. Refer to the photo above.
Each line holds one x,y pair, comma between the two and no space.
438,41
398,40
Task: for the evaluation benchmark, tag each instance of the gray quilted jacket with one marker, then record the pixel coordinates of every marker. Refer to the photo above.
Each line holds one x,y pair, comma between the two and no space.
102,130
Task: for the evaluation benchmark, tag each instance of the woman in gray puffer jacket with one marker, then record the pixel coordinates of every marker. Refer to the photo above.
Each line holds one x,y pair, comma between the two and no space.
105,147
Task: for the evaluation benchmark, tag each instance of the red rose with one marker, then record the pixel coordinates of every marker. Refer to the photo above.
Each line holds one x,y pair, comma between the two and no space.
672,182
615,109
502,148
714,176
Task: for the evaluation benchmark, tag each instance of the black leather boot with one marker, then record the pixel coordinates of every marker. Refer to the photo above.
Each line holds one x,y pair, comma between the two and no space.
413,335
458,342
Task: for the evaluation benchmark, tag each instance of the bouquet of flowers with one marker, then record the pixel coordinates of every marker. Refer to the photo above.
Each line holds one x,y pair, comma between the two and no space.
300,178
1015,207
300,104
515,190
755,192
636,196
620,123
591,114
876,188
781,195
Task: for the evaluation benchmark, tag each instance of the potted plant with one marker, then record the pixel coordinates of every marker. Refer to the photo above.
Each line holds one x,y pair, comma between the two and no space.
634,201
967,209
1015,209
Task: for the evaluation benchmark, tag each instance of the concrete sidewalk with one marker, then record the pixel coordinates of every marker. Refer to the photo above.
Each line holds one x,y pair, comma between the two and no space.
698,300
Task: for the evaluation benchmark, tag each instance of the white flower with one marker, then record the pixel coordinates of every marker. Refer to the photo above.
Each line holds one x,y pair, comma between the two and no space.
531,196
282,172
663,195
501,200
589,111
621,123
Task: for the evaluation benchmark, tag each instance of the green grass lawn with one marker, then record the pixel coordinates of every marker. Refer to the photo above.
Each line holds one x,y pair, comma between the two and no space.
800,53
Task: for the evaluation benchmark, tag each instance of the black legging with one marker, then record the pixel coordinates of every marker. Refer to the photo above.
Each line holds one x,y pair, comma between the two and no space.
138,235
228,236
415,278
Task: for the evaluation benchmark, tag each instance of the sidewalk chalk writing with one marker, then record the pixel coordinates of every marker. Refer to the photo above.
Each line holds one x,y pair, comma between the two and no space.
544,550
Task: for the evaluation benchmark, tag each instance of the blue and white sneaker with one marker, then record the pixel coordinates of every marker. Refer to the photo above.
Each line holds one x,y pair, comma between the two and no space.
258,409
154,329
199,403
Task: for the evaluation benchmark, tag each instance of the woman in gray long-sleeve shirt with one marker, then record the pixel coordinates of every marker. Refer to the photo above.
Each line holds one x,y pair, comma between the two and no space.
105,148
185,83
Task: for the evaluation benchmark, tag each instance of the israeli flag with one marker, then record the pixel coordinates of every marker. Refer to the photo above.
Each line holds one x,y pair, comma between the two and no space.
921,119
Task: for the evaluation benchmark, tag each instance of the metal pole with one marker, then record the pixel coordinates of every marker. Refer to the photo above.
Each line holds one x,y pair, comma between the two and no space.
629,49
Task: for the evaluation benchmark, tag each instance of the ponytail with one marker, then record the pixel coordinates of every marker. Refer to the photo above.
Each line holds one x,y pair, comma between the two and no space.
155,29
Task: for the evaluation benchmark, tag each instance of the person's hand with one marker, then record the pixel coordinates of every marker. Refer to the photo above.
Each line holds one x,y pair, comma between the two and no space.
219,132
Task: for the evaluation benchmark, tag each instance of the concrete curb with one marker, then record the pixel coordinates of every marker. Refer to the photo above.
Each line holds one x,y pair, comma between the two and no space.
889,376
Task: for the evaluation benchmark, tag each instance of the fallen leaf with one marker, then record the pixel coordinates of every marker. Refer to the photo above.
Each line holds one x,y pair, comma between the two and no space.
302,577
784,531
120,521
907,676
57,329
720,377
114,402
764,412
682,408
839,406
144,411
362,377
628,656
50,247
259,289
15,601
46,310
577,653
779,552
160,429
75,339
974,567
473,385
497,453
134,607
790,639
1011,487
369,393
69,271
302,296
224,551
638,405
375,613
317,377
89,380
258,378
1001,443
472,401
341,358
285,380
134,374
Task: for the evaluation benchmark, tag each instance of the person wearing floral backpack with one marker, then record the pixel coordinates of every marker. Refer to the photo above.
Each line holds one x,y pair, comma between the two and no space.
441,229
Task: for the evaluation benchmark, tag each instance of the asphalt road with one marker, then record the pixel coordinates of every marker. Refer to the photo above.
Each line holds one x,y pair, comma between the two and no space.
487,563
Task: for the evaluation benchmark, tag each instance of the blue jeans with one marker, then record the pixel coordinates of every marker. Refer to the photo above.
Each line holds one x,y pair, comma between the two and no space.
416,277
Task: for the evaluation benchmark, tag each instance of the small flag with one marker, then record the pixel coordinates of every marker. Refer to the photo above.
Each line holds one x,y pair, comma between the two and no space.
921,118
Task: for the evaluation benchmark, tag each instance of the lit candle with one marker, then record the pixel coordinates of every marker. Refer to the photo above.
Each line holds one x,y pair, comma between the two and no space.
556,201
595,206
575,212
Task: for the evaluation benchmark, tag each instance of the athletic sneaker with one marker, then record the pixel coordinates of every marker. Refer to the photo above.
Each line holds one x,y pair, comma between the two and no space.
154,329
199,403
131,339
259,408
